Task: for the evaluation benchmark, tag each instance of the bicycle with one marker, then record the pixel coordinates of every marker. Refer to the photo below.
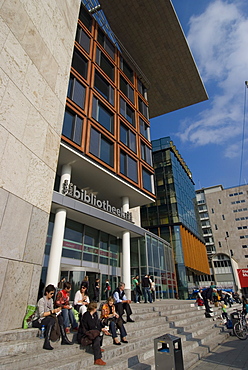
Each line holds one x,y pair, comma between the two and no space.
240,328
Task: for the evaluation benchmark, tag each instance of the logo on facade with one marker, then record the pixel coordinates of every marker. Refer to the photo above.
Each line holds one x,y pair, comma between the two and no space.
72,191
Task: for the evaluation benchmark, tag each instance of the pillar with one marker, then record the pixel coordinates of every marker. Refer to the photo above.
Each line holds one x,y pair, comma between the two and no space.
126,267
53,270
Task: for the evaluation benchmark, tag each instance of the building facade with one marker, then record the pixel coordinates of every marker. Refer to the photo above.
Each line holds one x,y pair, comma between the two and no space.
224,216
174,215
88,164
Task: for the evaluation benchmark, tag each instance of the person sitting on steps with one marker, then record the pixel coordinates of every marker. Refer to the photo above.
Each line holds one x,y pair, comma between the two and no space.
122,303
46,316
111,318
62,301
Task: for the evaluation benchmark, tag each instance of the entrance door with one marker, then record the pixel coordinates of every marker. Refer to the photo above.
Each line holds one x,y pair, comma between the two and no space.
92,278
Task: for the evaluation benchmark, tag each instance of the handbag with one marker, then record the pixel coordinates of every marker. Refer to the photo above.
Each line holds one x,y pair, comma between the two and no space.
89,336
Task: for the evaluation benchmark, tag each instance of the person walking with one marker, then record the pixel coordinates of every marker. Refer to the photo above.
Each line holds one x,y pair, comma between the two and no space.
146,286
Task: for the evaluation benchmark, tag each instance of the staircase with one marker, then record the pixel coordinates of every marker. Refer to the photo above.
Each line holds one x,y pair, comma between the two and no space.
22,349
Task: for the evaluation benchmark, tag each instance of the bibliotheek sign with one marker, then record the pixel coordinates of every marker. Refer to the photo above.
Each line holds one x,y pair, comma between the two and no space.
243,277
72,191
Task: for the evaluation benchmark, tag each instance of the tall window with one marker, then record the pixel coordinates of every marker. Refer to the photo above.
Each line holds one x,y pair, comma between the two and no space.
101,147
72,127
144,128
127,137
143,108
127,70
128,167
147,180
104,87
106,43
141,88
126,89
105,64
83,39
76,91
79,62
85,17
103,115
127,111
146,153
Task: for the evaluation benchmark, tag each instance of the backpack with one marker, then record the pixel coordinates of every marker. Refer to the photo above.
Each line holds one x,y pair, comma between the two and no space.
229,324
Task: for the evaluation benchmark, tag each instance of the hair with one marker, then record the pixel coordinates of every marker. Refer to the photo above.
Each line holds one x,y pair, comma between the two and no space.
91,306
84,285
121,284
110,299
86,278
67,285
50,288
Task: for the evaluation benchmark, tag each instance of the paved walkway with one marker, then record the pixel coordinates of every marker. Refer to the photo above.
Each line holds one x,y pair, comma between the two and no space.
230,355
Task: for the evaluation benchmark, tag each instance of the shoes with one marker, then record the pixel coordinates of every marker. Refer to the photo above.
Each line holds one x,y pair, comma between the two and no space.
67,330
117,343
99,361
124,341
123,321
130,320
102,350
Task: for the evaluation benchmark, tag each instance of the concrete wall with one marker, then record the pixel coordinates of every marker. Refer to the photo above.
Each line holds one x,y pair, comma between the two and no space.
36,45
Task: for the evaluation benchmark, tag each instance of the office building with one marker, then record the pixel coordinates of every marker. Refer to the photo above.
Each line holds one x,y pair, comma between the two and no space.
224,219
75,146
174,215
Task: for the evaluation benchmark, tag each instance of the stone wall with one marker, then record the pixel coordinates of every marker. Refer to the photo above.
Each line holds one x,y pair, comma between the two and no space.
36,45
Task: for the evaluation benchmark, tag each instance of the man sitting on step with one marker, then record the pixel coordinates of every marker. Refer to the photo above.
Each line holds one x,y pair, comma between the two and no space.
122,303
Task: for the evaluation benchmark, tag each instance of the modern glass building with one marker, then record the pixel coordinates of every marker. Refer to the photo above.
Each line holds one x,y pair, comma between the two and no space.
174,215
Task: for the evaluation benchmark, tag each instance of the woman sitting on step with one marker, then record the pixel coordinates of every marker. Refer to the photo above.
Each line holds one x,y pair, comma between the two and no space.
81,300
47,316
111,318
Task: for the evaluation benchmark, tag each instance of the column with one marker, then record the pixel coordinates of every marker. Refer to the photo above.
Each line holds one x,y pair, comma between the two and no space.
126,268
53,270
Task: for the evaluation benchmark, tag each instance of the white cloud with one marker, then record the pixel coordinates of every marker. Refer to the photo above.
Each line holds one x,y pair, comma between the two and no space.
218,39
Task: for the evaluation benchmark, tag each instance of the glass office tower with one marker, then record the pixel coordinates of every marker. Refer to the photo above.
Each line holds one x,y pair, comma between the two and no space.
174,215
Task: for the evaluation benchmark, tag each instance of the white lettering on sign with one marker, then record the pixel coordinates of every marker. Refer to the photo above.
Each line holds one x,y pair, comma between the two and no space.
82,195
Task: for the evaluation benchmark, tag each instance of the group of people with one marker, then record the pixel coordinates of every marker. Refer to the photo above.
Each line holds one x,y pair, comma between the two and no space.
145,288
55,313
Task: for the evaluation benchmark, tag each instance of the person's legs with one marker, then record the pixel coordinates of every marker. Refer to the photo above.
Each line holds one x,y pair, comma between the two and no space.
119,309
127,308
145,294
65,316
149,295
123,331
65,340
48,322
96,346
72,319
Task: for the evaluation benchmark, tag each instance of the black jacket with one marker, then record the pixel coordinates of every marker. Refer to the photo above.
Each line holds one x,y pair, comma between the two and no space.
87,323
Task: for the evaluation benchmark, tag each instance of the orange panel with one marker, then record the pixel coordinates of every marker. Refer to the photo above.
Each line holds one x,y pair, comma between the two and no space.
195,254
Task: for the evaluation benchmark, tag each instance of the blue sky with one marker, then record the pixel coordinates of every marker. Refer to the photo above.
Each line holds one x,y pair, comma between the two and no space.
209,135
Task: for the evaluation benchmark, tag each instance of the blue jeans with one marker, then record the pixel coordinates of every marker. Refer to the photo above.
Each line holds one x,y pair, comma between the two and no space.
112,329
68,317
147,292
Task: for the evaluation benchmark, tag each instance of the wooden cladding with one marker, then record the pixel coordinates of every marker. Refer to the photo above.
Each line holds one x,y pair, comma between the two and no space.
195,255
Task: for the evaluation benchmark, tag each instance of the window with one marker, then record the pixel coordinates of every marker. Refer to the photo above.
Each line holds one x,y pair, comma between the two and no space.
127,111
85,18
141,88
143,108
126,89
147,180
212,210
83,39
127,70
216,227
246,255
144,128
105,64
103,115
106,43
223,217
220,244
244,246
104,87
127,137
219,201
101,147
72,127
128,166
79,63
76,91
227,234
242,227
146,153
